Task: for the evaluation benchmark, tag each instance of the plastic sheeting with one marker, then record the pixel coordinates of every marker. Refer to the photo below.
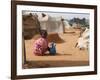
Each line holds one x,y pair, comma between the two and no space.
51,24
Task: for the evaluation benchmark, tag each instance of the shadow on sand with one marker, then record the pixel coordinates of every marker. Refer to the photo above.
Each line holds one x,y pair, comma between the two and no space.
55,38
57,54
50,64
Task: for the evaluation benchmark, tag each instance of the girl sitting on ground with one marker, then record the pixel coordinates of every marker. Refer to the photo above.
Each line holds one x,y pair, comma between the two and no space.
41,44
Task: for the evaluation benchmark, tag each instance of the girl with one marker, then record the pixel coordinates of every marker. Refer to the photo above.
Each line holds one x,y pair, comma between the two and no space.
41,45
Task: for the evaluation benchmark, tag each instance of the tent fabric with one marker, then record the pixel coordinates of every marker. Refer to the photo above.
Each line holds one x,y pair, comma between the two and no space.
67,26
84,41
51,24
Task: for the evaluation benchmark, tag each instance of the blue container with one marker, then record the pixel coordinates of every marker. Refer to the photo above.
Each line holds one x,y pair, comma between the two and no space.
53,49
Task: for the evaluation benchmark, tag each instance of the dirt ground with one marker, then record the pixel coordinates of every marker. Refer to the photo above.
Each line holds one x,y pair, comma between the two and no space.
67,54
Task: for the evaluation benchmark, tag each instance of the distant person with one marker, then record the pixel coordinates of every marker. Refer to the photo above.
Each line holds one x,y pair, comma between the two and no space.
41,44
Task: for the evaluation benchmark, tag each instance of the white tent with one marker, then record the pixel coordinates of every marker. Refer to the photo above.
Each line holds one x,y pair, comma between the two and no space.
86,33
66,24
75,25
83,41
51,24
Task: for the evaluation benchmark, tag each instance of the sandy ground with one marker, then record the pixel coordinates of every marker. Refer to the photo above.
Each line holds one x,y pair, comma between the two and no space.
67,54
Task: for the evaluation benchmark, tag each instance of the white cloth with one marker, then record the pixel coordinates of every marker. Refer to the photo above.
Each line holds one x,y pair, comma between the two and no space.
80,43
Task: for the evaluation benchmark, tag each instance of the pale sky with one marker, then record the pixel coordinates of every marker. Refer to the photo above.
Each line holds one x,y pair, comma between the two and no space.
70,15
65,15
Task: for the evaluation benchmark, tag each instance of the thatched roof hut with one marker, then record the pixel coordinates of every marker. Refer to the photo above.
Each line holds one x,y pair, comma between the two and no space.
30,25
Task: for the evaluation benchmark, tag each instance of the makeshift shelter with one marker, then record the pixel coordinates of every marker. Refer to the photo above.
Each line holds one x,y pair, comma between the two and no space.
76,25
31,25
51,24
85,39
86,34
66,24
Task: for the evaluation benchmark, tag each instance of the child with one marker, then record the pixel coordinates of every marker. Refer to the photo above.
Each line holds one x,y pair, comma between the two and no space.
41,45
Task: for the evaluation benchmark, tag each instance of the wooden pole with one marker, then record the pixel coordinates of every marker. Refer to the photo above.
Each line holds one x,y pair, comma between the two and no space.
63,25
24,50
